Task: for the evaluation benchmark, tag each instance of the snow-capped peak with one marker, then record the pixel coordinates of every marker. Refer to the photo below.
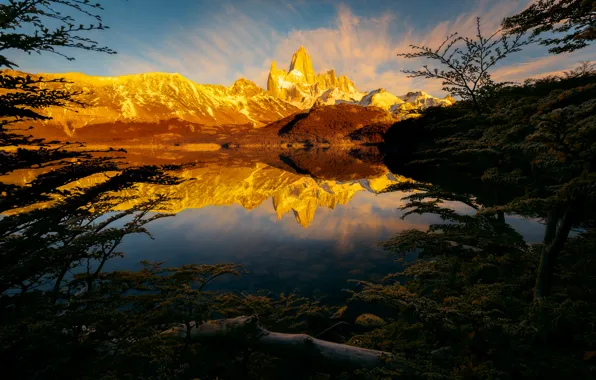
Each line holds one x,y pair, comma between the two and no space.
244,87
423,100
380,98
153,97
301,87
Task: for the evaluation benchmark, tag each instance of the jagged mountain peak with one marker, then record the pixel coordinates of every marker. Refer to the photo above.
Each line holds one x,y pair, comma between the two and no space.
154,97
243,86
243,80
421,99
380,98
302,63
301,86
415,93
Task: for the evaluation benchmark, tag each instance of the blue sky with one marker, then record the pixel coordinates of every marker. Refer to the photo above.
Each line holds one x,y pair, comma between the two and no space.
218,42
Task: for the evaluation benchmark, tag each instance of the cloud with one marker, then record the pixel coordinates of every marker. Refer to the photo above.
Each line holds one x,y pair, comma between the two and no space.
231,44
543,66
237,43
365,49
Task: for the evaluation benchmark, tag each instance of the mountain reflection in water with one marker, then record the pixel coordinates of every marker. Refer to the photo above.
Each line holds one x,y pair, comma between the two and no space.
252,186
295,219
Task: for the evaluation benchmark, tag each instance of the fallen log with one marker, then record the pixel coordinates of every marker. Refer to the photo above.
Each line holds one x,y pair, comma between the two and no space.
316,352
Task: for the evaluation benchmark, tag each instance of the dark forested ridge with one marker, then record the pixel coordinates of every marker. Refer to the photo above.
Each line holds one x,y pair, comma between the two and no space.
487,304
475,300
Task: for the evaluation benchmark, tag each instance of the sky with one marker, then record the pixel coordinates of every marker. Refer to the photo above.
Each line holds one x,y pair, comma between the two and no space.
219,41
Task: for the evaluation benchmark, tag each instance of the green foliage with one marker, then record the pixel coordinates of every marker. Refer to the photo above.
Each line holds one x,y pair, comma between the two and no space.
111,329
25,27
479,302
464,308
570,22
61,314
280,313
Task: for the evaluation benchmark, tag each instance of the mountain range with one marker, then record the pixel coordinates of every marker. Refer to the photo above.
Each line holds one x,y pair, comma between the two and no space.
169,105
302,87
153,97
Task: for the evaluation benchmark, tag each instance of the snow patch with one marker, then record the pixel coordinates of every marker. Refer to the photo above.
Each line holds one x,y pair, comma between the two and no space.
128,109
282,83
296,73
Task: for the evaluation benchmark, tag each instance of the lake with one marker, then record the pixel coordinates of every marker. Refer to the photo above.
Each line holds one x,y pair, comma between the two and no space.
303,220
298,221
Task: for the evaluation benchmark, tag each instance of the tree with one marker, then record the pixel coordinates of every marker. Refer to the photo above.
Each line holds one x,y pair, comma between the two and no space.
463,309
66,233
562,177
466,72
534,148
585,68
50,227
476,301
23,25
571,23
61,314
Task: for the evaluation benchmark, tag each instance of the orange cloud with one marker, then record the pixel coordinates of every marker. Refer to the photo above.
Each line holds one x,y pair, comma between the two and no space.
363,48
542,66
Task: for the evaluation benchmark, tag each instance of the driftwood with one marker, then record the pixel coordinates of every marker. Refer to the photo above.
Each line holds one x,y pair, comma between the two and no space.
316,352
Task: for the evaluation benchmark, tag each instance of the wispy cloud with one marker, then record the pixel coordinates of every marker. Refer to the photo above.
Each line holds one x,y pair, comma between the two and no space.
234,44
543,66
214,53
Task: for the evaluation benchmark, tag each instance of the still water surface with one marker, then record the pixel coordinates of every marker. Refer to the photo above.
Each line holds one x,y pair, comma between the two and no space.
289,229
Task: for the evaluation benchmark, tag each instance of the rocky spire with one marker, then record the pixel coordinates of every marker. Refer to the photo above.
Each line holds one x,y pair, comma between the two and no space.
301,86
272,80
301,62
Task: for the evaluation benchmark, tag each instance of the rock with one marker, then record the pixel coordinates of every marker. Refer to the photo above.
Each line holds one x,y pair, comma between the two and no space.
318,103
450,99
302,63
301,87
382,99
369,321
421,99
153,98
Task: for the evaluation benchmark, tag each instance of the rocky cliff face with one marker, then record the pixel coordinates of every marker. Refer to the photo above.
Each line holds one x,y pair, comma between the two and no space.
301,87
331,124
421,99
381,98
302,64
177,110
154,97
406,106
